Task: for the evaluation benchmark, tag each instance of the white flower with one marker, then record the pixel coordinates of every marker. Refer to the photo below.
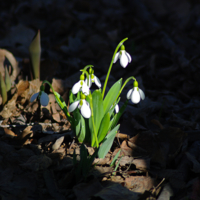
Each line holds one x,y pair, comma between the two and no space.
124,57
80,86
44,98
135,95
84,107
93,79
116,108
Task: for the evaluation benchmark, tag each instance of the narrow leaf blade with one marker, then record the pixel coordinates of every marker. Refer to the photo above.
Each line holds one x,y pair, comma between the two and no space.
112,95
106,145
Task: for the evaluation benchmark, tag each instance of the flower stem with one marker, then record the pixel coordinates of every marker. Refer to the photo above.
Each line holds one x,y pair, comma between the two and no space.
60,103
93,124
127,80
110,67
84,71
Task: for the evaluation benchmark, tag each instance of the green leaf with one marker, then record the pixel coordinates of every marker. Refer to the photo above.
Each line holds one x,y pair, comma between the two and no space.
60,100
81,136
111,96
98,109
117,116
107,143
74,158
77,122
3,90
7,80
35,52
115,158
83,159
103,130
72,97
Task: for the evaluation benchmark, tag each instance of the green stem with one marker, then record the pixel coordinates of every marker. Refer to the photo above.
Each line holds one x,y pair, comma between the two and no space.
127,80
58,99
87,66
110,67
93,124
87,74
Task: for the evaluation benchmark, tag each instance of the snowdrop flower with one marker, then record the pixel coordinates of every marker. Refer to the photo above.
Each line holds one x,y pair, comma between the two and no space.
93,79
136,93
124,57
44,98
116,108
80,86
83,105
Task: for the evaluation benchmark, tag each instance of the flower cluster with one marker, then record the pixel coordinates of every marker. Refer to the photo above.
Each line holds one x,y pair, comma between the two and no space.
83,86
96,115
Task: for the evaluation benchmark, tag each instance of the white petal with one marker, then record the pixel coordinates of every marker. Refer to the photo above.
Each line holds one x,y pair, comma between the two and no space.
97,81
128,96
85,89
142,95
44,99
85,109
76,87
123,59
128,56
73,106
117,108
135,96
90,82
34,96
116,57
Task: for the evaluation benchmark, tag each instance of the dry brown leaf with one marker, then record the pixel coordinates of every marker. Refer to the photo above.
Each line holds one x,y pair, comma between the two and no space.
139,183
84,191
9,132
37,162
22,86
58,85
58,143
4,53
116,191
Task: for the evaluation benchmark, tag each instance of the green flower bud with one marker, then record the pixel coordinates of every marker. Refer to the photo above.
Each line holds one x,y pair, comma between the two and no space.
81,102
92,77
82,77
91,71
135,84
83,96
42,87
122,47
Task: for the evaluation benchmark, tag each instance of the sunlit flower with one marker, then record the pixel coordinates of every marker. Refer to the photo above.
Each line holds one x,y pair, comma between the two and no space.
83,105
116,108
80,86
123,56
136,93
92,79
44,98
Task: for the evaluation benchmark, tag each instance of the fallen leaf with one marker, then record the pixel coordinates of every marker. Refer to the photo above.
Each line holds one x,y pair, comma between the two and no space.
58,143
37,162
116,191
139,183
84,191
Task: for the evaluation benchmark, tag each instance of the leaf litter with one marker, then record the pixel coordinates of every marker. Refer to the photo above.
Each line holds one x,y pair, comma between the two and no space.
159,139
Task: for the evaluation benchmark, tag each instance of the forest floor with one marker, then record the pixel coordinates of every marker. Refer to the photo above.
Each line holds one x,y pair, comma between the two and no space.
159,138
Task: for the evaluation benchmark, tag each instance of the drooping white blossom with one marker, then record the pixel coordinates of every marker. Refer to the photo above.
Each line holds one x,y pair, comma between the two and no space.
84,107
123,56
135,94
44,98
